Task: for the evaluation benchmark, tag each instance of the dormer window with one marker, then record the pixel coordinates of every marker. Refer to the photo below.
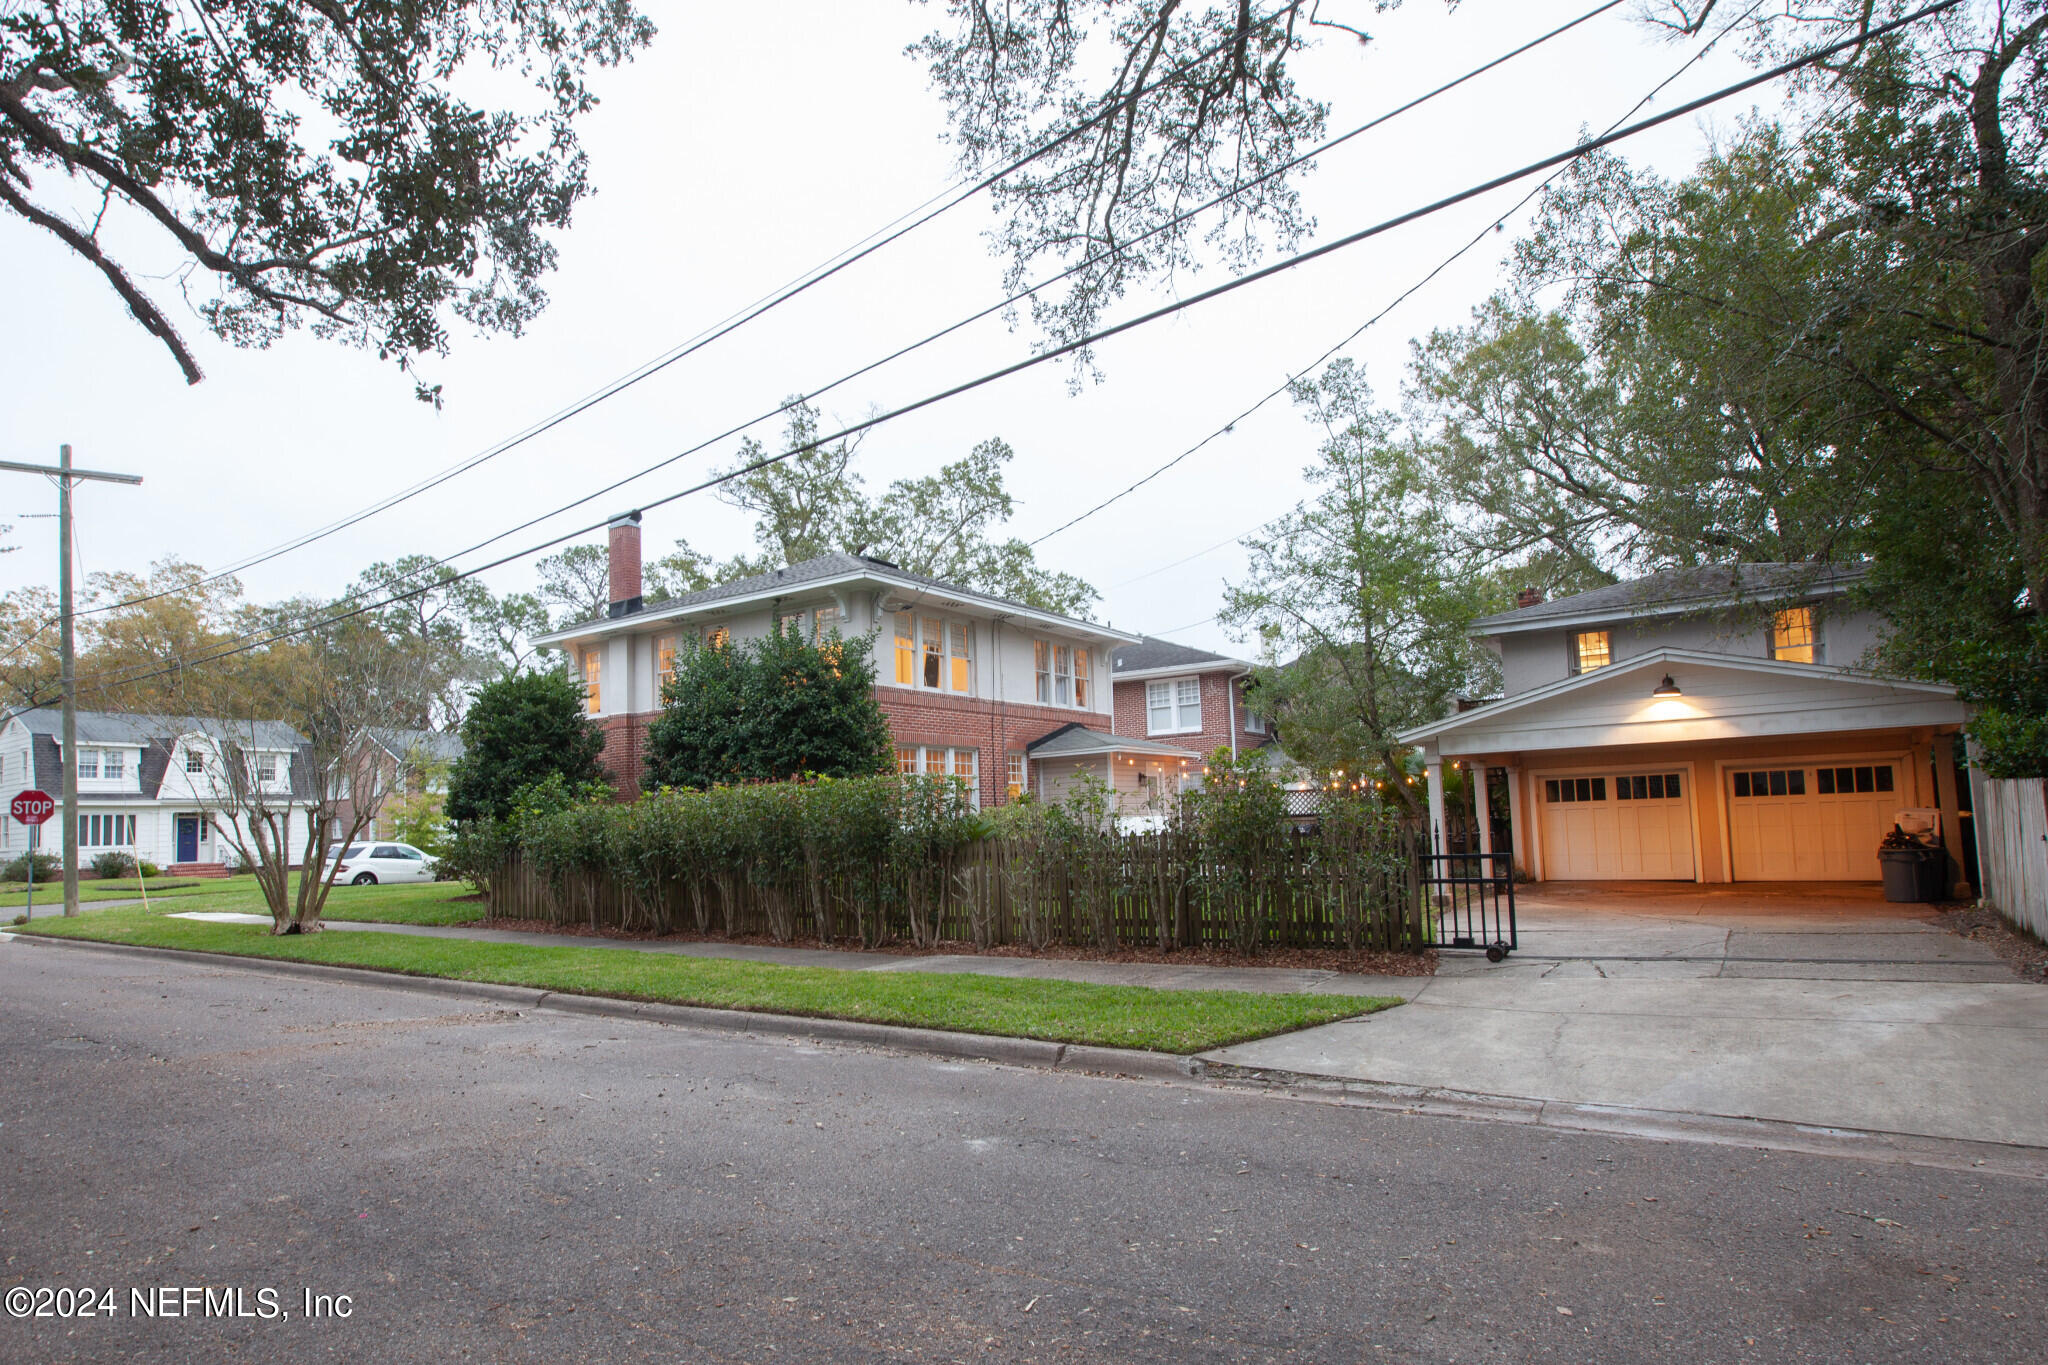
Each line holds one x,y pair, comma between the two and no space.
88,763
266,768
1591,649
113,763
195,761
1792,636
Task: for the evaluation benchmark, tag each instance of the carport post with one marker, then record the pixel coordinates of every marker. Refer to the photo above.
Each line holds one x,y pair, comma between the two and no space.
1516,839
1946,796
1482,811
1433,771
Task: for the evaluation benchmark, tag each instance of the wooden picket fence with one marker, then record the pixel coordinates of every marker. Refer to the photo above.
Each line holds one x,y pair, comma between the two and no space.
1157,890
2011,823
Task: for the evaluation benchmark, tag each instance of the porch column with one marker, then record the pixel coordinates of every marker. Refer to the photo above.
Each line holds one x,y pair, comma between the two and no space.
1433,772
1945,795
1482,808
1516,838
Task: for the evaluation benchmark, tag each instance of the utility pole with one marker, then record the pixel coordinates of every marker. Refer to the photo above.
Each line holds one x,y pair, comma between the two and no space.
68,668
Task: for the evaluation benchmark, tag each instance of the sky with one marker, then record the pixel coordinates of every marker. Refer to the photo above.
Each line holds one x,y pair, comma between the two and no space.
747,145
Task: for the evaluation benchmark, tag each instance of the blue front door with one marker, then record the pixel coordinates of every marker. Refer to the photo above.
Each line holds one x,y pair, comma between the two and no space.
188,838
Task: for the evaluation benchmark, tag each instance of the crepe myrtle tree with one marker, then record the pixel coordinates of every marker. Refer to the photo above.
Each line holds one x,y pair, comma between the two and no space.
295,767
316,163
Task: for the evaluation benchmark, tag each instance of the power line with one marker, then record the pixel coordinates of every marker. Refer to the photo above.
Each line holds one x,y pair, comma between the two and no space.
1167,310
816,275
1291,380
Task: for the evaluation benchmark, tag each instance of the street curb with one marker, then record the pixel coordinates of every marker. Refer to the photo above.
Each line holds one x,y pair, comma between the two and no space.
1728,1130
1035,1052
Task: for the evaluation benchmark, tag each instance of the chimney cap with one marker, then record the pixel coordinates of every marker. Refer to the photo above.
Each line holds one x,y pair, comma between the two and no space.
631,518
1529,597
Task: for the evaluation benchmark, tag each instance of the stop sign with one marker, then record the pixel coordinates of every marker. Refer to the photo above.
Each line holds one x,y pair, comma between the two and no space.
32,807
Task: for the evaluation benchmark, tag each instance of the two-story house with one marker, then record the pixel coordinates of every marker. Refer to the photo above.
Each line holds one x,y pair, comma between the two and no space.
1185,696
148,786
1711,725
999,693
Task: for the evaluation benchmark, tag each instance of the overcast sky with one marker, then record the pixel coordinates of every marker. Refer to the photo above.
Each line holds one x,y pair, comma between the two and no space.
748,145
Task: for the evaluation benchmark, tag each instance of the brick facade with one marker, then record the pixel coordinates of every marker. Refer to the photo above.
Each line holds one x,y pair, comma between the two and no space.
1217,711
995,729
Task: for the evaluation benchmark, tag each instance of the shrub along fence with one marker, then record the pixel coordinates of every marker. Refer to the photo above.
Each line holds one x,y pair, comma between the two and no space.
874,860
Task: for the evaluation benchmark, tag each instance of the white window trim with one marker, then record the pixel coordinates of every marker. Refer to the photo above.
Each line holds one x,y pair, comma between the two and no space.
1179,727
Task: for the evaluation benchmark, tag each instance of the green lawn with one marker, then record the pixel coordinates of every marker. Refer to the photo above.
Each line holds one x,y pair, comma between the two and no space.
51,892
423,903
1057,1011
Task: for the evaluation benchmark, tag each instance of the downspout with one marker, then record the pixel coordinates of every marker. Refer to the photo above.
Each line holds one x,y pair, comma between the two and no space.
1230,707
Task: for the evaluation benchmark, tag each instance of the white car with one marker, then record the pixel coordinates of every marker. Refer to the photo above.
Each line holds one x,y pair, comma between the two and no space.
369,864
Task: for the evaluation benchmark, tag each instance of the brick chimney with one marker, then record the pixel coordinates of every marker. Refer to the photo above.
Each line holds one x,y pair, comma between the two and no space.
1527,597
624,563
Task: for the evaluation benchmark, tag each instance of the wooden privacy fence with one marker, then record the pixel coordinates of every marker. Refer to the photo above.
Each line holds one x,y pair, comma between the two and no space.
1131,890
2011,821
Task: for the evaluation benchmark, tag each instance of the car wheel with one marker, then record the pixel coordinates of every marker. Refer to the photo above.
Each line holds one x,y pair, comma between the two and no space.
364,879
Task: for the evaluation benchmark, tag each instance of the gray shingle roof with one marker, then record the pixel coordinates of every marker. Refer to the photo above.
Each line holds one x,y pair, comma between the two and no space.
820,569
1671,589
1151,652
1075,739
110,727
436,744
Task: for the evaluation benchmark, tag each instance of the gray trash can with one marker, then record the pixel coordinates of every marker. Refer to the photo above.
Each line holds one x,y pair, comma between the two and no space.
1907,872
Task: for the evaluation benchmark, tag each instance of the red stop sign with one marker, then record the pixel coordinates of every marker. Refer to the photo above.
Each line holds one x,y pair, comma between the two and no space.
32,807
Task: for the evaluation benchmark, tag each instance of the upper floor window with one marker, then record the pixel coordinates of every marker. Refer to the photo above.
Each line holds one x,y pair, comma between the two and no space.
1591,649
825,623
113,763
195,761
935,653
88,762
791,623
1173,706
1254,723
1792,636
664,660
717,637
1062,673
593,672
266,767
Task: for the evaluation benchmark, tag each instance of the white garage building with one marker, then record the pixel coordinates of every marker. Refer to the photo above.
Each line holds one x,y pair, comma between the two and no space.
1707,725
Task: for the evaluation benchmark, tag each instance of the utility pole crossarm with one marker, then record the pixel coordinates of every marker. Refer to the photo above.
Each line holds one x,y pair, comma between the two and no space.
61,472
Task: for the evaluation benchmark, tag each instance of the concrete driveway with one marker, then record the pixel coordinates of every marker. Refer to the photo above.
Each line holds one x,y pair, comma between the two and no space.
1811,1005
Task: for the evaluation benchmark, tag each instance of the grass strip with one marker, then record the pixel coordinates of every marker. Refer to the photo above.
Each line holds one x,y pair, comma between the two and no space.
1172,1021
416,903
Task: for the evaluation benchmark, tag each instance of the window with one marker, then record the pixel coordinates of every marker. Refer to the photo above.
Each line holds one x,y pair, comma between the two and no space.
825,623
664,660
1648,787
266,767
1063,675
106,831
1041,658
717,637
1081,671
1772,782
114,763
906,650
934,633
1173,706
938,760
1254,723
593,665
1575,789
791,623
1844,781
1590,650
1792,636
195,761
88,762
960,657
1013,777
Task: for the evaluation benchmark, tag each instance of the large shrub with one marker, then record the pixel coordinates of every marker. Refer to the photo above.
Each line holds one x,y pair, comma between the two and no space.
520,730
769,709
47,867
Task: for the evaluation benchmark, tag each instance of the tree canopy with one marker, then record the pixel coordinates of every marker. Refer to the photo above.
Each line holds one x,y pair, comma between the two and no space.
522,729
312,165
769,709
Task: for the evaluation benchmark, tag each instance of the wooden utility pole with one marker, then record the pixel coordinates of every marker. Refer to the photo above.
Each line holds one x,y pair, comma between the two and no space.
68,667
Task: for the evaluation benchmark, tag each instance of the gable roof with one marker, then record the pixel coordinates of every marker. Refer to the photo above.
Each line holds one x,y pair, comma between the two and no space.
1154,655
442,745
1672,592
1075,740
822,571
112,727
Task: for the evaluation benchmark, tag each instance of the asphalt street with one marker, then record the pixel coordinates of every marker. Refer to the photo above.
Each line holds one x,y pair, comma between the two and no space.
487,1184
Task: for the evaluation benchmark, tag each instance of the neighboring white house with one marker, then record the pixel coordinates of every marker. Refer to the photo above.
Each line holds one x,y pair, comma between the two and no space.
147,785
1708,725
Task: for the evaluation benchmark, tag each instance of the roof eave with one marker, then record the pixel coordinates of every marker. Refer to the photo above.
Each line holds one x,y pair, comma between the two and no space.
1218,665
1506,623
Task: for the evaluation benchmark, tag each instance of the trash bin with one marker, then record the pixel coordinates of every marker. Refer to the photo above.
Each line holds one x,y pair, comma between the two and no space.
1907,872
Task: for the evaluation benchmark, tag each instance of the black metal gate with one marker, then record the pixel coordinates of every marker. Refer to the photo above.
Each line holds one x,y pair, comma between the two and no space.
1472,896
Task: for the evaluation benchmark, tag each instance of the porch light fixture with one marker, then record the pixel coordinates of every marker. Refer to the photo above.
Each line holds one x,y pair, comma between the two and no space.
1667,688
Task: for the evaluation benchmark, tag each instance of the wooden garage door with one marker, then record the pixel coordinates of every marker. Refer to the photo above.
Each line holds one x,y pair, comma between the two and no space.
1810,822
1626,826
